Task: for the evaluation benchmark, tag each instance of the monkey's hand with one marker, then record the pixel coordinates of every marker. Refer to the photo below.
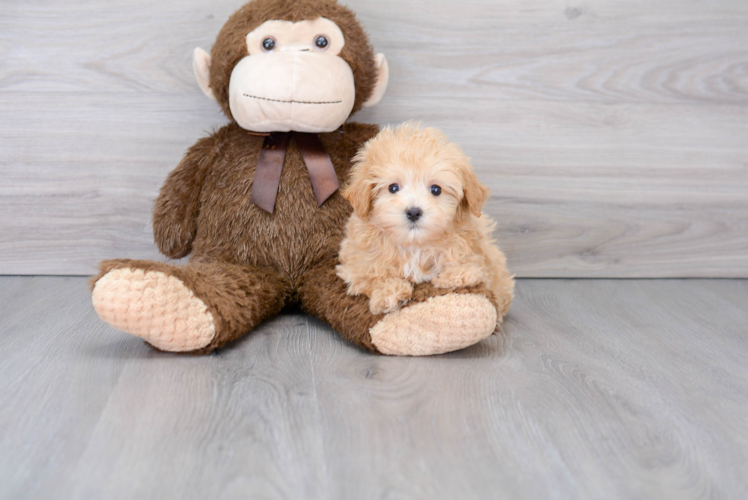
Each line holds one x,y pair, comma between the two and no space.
177,206
460,275
173,230
175,214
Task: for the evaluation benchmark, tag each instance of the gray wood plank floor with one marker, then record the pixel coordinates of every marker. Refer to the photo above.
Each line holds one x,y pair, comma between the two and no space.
612,133
595,389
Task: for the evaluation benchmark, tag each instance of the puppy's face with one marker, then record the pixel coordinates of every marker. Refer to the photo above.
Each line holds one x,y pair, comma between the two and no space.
415,202
413,183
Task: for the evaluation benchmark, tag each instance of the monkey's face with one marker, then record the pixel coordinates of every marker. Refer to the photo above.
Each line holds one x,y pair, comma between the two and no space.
284,66
292,79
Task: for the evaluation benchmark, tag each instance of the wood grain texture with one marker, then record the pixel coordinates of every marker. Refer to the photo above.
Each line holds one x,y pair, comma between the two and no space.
87,412
612,134
595,389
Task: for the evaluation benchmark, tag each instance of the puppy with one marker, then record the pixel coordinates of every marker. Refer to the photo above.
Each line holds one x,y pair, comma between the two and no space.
417,218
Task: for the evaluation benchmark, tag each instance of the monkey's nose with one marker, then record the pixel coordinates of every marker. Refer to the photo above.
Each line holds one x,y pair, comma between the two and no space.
413,214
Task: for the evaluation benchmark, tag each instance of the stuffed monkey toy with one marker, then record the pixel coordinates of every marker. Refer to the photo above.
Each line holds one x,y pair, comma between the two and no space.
257,207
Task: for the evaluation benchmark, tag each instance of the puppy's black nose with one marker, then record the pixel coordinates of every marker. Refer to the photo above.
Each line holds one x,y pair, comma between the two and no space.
413,213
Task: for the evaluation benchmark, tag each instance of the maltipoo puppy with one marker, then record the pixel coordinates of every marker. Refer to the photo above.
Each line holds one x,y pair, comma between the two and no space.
417,217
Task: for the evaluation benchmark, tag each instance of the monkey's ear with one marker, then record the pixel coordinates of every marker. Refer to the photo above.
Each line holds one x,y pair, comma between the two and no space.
201,67
383,76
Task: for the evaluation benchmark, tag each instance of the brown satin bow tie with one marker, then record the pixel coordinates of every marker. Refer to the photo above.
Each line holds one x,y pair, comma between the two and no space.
270,166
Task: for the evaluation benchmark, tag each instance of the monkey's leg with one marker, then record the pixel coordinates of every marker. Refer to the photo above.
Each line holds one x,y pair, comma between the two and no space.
435,321
194,308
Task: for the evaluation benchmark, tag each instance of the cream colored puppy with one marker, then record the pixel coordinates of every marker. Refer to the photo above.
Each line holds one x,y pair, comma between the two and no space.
417,217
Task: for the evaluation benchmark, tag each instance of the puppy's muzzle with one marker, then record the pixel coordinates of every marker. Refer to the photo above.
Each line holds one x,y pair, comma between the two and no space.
413,213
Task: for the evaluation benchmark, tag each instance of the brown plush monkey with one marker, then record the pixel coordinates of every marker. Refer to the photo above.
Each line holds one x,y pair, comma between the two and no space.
260,215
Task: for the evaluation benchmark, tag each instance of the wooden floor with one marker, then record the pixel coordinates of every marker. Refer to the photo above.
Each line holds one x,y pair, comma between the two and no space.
596,389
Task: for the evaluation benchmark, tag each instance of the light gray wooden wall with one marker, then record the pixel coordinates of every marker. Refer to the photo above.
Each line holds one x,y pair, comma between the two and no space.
614,134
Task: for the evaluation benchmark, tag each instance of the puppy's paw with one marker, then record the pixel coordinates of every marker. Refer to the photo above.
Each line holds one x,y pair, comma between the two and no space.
391,296
459,277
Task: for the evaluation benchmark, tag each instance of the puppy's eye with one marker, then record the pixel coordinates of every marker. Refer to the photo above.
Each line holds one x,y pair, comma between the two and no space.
268,44
394,188
436,190
321,42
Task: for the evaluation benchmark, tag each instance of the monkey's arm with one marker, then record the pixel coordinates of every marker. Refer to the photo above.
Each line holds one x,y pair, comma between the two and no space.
176,209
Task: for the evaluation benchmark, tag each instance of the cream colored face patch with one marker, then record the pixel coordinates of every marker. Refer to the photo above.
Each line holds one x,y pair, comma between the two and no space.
293,79
304,35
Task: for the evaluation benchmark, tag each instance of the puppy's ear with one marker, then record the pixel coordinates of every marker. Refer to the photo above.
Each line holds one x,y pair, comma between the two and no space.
476,193
360,190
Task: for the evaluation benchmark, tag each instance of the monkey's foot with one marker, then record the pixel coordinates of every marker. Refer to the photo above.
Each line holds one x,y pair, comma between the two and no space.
440,324
155,307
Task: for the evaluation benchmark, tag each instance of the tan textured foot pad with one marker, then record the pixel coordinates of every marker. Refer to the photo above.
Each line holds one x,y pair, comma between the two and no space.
440,324
155,307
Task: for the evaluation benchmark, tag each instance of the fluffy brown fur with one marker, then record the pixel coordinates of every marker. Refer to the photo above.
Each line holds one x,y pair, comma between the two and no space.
450,245
245,263
231,46
216,176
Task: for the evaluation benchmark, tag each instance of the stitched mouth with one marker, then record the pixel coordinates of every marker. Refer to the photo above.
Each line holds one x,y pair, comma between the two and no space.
292,101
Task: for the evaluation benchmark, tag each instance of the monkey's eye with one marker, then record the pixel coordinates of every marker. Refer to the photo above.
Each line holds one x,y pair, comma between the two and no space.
321,42
394,188
268,44
436,190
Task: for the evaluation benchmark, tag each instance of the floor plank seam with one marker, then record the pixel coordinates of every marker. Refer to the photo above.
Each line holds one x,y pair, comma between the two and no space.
311,332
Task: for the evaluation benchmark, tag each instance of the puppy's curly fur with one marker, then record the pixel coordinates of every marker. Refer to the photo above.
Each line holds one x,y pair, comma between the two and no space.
417,217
